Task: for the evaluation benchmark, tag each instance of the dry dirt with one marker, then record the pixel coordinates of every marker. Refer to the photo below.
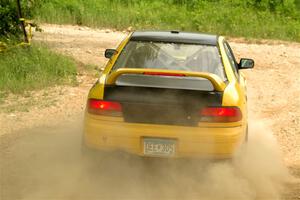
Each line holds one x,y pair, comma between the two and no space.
40,135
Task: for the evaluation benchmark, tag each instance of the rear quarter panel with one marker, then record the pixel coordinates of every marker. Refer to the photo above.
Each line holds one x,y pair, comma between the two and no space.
97,91
235,92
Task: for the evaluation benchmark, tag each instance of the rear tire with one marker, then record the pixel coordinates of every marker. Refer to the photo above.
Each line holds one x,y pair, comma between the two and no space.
87,154
92,156
244,146
247,134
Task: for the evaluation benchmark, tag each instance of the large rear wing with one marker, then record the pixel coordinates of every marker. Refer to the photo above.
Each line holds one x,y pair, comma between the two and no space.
215,80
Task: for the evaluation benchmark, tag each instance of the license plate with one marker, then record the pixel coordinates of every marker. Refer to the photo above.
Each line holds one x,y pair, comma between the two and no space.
159,147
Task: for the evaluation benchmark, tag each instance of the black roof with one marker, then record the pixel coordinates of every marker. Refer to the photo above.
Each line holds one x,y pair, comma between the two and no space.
175,36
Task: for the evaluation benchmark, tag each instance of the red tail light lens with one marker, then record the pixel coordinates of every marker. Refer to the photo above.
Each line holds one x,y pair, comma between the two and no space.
100,107
221,114
163,74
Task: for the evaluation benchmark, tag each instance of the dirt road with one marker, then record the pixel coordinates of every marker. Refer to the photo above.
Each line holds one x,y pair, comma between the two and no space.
40,135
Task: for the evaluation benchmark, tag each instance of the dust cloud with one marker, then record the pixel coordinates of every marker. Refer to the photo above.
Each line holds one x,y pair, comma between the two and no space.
46,163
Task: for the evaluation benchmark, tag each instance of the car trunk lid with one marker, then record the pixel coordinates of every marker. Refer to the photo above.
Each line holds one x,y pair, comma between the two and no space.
160,105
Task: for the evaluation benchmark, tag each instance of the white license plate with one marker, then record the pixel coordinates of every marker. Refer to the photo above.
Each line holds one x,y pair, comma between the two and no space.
159,147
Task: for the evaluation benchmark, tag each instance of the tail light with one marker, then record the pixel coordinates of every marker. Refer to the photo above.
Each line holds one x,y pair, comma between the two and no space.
221,114
100,107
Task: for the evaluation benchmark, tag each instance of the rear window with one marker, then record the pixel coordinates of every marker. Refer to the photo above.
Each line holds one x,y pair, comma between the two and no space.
172,56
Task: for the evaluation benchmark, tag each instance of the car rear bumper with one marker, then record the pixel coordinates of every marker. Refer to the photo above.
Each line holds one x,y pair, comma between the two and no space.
110,134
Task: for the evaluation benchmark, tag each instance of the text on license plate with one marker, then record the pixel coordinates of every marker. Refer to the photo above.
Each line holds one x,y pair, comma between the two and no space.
159,147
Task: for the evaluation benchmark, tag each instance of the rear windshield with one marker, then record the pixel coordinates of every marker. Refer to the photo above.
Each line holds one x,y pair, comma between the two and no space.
172,56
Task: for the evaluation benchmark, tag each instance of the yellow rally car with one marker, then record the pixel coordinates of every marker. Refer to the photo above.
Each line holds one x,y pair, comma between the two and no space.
169,94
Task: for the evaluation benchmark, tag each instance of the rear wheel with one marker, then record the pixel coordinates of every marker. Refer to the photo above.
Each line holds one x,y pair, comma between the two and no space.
90,155
87,154
242,150
247,134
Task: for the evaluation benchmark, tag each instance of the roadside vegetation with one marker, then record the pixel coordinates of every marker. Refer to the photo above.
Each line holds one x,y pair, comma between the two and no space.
34,67
28,66
268,19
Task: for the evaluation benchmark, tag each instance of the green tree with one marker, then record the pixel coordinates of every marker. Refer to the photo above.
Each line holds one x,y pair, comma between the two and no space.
9,23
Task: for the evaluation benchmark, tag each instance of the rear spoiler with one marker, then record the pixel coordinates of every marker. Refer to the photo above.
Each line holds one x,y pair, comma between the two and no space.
215,80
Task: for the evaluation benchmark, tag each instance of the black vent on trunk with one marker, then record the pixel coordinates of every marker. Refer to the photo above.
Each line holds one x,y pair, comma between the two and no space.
161,106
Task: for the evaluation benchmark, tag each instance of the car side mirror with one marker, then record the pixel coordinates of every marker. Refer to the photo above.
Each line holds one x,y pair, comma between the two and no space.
109,53
246,63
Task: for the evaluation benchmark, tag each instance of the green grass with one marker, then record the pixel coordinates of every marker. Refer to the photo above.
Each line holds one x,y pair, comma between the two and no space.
34,67
232,18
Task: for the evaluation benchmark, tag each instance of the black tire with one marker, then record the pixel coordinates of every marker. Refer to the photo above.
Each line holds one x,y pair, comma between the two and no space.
247,134
90,155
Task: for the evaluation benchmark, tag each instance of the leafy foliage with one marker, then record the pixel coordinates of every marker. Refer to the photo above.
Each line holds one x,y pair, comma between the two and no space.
9,18
28,67
9,23
277,19
34,67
